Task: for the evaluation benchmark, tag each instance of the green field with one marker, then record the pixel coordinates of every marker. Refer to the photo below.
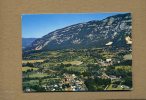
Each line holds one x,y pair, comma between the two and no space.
38,75
28,68
80,70
73,62
119,87
31,61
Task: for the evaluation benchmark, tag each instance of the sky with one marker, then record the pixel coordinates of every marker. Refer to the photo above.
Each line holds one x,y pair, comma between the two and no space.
38,25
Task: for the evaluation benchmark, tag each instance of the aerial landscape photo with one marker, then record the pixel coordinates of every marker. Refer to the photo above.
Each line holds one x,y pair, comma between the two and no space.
77,52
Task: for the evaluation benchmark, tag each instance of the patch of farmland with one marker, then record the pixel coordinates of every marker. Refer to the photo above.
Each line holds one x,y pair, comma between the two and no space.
73,62
32,61
128,57
28,68
38,75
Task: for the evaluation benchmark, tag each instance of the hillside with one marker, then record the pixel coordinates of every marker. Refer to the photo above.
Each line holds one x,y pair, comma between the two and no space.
112,31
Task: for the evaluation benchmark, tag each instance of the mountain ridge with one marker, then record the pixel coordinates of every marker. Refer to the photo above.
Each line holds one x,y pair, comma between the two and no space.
95,33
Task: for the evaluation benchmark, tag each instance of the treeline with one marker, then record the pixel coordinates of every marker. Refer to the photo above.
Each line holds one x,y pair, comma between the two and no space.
125,74
97,83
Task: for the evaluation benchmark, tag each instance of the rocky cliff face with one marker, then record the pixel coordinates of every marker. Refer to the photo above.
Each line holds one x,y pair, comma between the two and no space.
114,31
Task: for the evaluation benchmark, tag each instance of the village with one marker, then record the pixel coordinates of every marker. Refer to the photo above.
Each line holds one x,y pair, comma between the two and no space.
78,71
72,82
68,83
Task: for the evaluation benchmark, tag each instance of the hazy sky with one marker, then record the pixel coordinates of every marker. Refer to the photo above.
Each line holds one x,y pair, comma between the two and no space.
38,25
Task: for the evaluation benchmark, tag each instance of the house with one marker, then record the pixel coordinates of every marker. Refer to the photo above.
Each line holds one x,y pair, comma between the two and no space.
27,90
104,76
108,60
112,77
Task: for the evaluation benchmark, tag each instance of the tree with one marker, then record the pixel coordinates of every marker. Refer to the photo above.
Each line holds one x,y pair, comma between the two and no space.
29,64
91,85
128,81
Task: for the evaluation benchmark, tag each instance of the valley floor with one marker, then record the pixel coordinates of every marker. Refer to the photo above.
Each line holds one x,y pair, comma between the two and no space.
96,69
